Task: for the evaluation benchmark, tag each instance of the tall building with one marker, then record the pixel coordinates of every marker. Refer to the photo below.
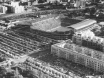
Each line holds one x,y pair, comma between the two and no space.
17,8
78,3
50,27
79,54
85,48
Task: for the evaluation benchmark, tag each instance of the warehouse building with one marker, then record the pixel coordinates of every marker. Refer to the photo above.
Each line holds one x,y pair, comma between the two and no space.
87,24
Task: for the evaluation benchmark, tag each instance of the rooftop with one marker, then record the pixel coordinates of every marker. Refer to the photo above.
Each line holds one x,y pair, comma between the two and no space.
83,24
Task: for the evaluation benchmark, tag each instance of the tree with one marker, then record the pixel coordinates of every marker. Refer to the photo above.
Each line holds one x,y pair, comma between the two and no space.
2,72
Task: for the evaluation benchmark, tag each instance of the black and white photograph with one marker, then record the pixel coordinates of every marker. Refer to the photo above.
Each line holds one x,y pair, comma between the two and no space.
51,38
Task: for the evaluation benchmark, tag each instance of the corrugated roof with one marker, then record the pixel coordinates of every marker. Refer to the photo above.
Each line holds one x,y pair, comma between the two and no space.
63,29
83,24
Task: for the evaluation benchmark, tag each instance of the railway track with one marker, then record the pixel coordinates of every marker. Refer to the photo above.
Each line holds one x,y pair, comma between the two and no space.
22,39
15,44
12,45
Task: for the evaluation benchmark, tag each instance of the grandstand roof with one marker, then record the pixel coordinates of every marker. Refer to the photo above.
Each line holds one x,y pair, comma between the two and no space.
101,23
60,29
50,23
46,23
83,24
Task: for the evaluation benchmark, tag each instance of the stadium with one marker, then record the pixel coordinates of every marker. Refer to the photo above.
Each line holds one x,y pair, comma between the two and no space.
51,27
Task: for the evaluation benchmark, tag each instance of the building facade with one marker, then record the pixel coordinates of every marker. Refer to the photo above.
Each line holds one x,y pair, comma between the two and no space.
88,39
81,55
3,9
17,8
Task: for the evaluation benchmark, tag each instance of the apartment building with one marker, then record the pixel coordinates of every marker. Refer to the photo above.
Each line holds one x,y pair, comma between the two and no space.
79,54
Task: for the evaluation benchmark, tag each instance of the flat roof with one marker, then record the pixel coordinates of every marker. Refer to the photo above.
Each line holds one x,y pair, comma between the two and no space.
82,24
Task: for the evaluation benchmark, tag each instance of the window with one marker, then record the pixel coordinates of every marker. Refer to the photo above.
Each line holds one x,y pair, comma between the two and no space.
98,66
87,61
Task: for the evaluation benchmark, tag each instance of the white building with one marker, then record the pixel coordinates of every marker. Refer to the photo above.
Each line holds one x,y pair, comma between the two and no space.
52,1
17,7
3,9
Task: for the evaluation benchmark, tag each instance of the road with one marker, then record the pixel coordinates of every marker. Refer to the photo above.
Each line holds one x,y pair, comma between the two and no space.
53,11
